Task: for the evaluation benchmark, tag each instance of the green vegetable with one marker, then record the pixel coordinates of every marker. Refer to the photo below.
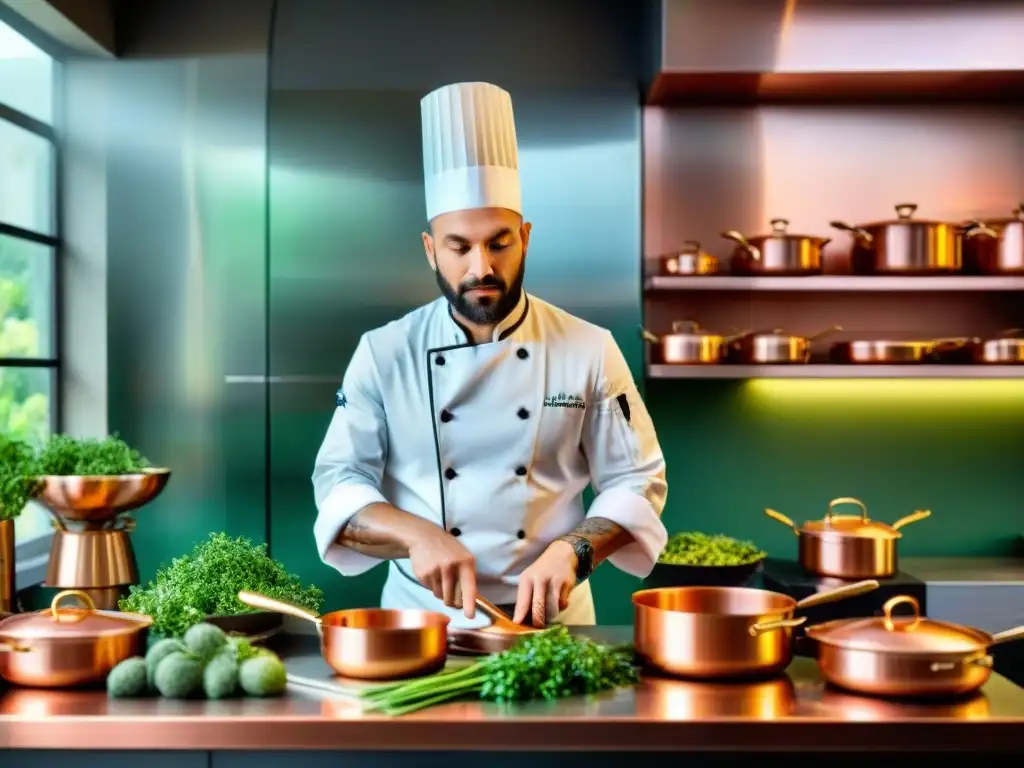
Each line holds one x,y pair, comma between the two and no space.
545,665
179,675
263,675
17,477
242,649
207,581
205,640
220,677
67,455
708,549
128,679
157,653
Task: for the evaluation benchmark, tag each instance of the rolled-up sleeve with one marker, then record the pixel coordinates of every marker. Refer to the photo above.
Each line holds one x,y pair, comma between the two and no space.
350,463
627,468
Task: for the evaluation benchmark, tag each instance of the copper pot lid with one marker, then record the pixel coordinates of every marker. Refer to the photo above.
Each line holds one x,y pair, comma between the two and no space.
900,634
779,232
65,623
860,526
904,215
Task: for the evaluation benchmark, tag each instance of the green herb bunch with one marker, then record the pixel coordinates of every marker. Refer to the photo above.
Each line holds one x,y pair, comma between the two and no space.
17,477
548,665
206,582
67,455
708,549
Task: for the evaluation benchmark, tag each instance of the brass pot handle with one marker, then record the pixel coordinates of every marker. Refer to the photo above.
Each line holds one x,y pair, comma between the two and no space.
83,597
781,518
839,593
7,647
685,326
858,232
891,604
690,246
905,210
920,514
977,228
846,500
648,336
779,226
740,240
1008,635
264,603
770,626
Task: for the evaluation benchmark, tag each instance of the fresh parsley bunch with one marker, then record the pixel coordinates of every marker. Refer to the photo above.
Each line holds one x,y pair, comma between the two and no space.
67,455
206,582
17,477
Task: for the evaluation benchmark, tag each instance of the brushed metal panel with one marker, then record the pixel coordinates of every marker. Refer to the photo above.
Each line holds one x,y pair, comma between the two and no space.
842,35
186,192
991,608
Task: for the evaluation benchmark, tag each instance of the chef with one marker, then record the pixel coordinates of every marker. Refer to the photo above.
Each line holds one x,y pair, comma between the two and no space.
465,432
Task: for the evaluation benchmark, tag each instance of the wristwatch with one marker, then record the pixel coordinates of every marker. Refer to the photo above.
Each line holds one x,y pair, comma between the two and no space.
584,556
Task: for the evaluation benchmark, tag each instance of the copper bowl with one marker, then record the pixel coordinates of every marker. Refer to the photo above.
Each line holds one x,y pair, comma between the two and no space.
91,498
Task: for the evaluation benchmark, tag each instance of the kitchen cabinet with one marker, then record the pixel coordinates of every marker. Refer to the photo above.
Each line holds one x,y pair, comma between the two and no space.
819,112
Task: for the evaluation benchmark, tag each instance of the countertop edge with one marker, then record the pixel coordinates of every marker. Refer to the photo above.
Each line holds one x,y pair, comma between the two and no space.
545,735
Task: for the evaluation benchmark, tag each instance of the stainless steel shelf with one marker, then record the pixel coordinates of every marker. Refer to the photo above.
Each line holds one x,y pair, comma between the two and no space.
851,283
835,371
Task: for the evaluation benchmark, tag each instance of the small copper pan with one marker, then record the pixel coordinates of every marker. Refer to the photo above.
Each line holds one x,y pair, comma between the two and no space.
500,636
372,643
722,632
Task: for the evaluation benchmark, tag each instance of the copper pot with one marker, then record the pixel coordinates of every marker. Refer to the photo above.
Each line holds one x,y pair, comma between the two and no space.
906,656
777,253
688,260
1006,349
687,344
372,643
904,246
63,647
773,347
995,247
722,632
891,352
848,546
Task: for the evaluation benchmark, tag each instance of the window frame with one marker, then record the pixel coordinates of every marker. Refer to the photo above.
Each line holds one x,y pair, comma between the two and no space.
32,555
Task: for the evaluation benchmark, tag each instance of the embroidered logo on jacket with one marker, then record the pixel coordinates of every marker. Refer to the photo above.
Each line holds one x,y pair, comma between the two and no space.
340,400
562,400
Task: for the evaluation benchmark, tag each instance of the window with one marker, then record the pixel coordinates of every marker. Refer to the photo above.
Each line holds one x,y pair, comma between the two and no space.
29,249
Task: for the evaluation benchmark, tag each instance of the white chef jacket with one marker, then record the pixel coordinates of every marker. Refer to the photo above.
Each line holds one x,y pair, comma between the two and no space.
493,442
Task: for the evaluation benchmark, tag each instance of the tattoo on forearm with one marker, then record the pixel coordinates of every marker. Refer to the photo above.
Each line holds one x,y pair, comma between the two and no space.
365,535
604,536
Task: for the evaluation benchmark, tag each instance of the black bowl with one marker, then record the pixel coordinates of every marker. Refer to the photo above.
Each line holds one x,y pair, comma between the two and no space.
668,575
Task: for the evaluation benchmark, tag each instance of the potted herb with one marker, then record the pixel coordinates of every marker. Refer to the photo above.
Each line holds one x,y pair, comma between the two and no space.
17,486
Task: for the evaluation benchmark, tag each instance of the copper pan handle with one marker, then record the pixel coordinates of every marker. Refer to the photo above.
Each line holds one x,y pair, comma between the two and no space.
921,514
264,603
501,619
6,647
858,233
1008,635
781,518
771,626
740,240
890,606
826,332
982,660
648,336
840,593
846,500
977,228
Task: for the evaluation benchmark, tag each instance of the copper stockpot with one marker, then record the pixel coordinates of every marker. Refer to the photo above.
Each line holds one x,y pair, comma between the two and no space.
904,246
907,656
688,260
778,253
1006,349
848,546
63,647
722,632
893,352
687,344
372,643
773,347
995,247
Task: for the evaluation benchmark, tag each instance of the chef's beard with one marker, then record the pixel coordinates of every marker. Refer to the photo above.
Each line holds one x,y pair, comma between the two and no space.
486,310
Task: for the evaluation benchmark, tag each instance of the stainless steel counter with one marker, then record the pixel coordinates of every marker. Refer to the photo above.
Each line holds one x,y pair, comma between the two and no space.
793,713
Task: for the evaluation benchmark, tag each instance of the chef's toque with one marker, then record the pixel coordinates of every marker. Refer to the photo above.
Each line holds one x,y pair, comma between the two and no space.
470,155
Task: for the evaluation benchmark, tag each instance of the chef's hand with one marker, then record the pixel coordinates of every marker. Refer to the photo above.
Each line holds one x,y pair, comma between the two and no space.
445,567
544,587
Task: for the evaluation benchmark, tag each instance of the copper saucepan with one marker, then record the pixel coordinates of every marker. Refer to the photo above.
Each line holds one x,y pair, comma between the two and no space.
372,643
688,260
63,647
722,632
687,345
891,352
907,655
1007,348
848,546
904,246
773,348
995,247
777,253
500,636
